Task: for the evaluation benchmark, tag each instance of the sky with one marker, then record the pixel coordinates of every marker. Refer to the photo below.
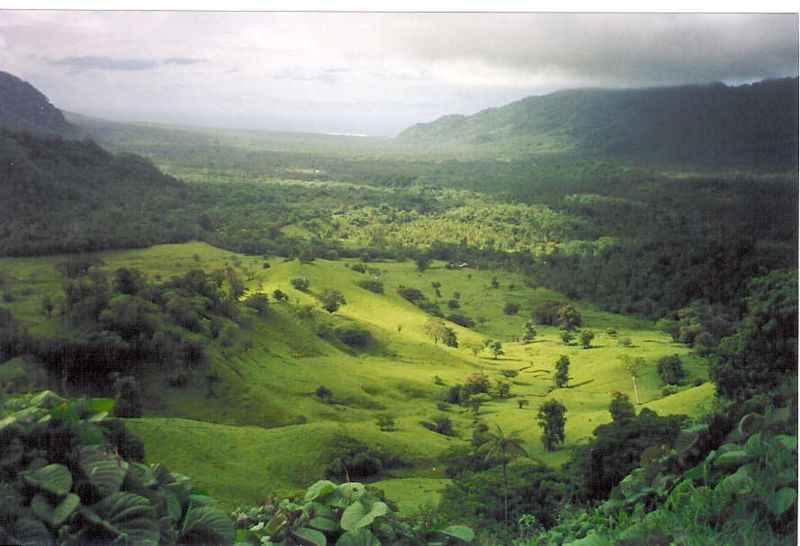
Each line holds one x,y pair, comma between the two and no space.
369,73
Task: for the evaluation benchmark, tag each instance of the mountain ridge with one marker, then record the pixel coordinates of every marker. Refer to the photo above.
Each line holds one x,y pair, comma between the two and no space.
25,108
713,124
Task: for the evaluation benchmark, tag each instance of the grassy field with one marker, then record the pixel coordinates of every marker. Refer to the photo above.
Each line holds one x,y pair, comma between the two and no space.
263,431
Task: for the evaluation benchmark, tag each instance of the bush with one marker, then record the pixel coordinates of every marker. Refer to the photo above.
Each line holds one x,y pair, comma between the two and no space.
669,390
353,336
361,268
441,424
300,283
670,370
354,460
385,422
453,304
323,393
430,308
413,295
461,320
546,312
511,308
372,285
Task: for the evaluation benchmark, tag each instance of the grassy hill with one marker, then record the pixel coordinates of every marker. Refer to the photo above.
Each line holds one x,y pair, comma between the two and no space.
262,429
711,125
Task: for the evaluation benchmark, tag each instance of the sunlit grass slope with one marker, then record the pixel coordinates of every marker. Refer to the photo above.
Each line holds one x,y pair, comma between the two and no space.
261,429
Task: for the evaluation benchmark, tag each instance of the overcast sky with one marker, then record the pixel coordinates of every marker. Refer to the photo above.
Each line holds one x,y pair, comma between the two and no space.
370,73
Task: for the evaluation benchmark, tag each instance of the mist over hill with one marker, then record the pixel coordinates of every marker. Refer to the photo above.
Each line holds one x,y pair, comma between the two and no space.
704,125
24,107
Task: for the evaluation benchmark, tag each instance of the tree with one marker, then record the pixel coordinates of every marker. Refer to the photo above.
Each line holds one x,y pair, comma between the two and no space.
331,299
422,262
505,448
257,301
449,337
528,331
586,339
511,308
236,287
633,365
385,422
521,402
47,306
129,398
503,387
621,408
435,327
670,370
300,283
324,394
551,421
436,285
496,347
566,337
568,318
561,376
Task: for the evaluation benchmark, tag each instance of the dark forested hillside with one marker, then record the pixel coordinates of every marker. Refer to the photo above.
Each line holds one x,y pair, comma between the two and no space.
23,107
710,125
70,196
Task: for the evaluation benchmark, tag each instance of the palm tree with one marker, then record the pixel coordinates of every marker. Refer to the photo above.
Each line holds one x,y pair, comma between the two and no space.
504,448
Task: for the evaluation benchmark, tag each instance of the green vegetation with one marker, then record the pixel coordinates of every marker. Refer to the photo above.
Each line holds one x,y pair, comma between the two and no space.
635,329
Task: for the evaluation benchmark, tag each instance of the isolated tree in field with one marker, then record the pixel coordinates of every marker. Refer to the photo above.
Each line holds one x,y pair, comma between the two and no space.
236,287
586,339
522,402
528,331
300,283
503,387
323,393
331,299
671,370
561,376
449,337
496,347
633,366
505,448
621,408
551,421
566,337
385,422
568,318
422,262
129,397
435,327
436,285
511,308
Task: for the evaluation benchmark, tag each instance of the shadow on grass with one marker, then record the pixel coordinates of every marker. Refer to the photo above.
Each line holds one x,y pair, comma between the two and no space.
576,385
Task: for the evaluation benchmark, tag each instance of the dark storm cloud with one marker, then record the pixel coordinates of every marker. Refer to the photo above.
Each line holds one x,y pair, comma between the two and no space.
615,49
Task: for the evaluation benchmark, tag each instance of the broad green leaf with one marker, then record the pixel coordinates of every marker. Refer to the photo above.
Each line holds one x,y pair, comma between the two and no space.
591,539
732,459
786,442
207,525
352,490
360,514
323,524
740,482
54,515
99,405
311,535
53,478
318,509
131,516
753,444
461,532
28,531
319,489
105,474
46,400
361,537
783,500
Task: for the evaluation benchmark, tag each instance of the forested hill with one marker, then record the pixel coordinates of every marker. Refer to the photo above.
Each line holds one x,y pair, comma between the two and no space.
23,107
64,195
707,125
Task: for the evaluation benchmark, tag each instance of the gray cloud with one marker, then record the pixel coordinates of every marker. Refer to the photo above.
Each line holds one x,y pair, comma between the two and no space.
183,61
91,62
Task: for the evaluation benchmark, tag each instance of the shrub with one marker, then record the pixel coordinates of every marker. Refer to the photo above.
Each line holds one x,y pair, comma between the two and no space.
323,393
353,335
413,295
331,299
372,285
279,295
385,422
352,459
475,384
300,283
431,308
257,301
546,312
360,268
441,424
453,304
461,320
670,370
586,339
669,390
511,308
509,373
624,342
